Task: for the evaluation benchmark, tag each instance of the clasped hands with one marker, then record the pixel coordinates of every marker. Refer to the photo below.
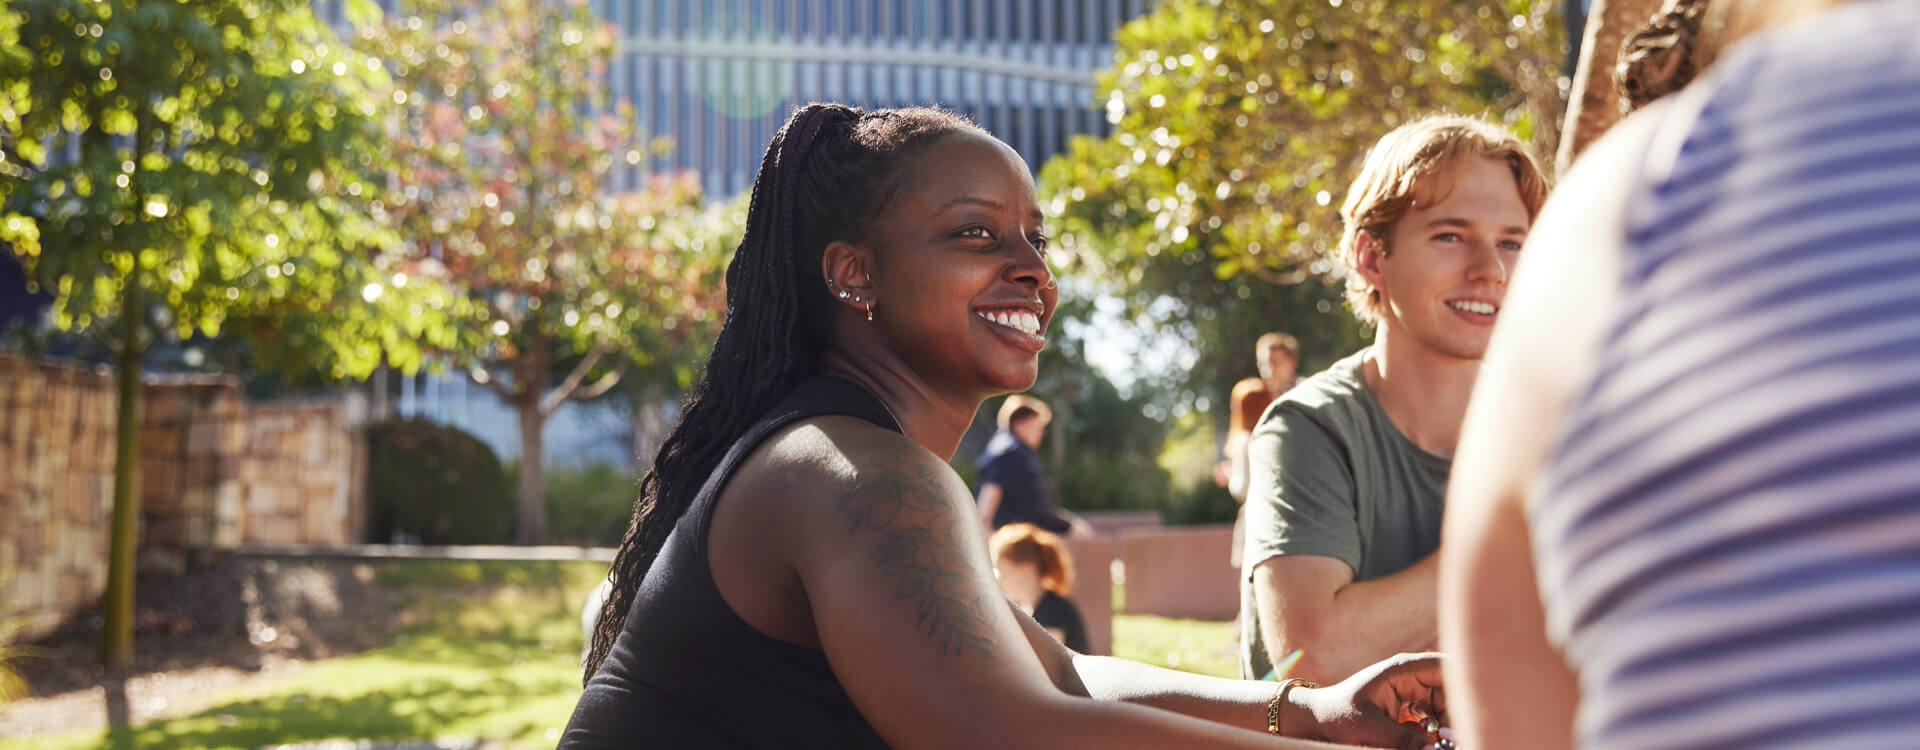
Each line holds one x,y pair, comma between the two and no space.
1395,703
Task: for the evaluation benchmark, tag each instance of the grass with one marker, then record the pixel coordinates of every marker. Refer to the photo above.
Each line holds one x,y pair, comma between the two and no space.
11,652
492,653
1201,647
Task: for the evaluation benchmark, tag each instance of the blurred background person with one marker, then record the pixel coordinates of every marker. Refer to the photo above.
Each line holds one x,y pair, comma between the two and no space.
1013,484
1277,356
1683,514
1036,572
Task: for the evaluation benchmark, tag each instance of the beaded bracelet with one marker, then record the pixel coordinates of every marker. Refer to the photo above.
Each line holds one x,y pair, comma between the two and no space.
1280,696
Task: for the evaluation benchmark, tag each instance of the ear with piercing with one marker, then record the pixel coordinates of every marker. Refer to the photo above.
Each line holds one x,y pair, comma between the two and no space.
850,297
869,300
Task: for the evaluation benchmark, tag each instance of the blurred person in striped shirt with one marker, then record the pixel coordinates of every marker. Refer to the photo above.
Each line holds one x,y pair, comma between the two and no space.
1685,511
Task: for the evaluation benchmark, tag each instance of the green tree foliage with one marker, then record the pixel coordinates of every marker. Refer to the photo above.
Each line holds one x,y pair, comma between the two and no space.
506,147
181,167
1094,429
1212,210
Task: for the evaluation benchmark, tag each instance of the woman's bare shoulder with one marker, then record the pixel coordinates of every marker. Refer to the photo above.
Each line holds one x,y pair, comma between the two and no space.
831,457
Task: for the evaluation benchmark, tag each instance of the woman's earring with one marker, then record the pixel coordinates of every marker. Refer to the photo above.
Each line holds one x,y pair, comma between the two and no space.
869,311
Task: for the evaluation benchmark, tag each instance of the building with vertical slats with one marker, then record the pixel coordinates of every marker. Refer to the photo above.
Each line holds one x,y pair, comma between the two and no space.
719,77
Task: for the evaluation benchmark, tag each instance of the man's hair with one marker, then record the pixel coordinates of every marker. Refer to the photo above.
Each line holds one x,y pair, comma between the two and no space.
1284,341
1020,408
1394,171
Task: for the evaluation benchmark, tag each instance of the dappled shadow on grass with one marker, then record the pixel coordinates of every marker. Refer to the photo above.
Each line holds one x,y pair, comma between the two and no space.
228,611
438,649
420,708
547,574
498,621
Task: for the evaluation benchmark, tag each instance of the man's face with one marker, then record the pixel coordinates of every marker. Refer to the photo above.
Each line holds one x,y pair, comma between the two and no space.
1444,272
1030,431
1277,366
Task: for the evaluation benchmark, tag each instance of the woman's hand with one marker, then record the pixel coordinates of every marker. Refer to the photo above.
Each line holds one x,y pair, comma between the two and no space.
1384,705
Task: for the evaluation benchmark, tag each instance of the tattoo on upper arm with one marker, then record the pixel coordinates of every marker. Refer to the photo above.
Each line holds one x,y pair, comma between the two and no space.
926,559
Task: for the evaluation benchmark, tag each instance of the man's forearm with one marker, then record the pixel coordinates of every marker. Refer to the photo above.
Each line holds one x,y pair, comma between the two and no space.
1364,623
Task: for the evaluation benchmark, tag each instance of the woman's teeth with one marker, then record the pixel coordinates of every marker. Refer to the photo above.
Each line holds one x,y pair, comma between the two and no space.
1481,308
1024,322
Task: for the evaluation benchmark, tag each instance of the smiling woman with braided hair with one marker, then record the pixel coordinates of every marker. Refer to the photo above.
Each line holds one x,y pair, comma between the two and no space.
803,569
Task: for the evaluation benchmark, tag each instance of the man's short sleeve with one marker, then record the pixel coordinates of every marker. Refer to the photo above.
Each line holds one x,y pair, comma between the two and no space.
1300,492
993,471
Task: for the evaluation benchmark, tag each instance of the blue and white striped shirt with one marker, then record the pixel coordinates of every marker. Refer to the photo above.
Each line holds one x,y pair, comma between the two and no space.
1728,540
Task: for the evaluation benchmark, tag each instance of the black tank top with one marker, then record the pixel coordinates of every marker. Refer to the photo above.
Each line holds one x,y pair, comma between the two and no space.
686,671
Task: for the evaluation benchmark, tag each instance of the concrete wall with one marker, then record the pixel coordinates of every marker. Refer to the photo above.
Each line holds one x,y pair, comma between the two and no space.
215,472
1180,572
1093,589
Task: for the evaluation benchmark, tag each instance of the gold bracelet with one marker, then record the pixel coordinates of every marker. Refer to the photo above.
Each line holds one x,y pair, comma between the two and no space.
1280,696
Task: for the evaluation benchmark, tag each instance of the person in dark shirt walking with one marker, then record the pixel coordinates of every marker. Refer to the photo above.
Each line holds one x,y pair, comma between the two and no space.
1013,486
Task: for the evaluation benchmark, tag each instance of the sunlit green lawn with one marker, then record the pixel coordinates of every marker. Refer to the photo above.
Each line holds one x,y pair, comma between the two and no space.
494,657
1209,648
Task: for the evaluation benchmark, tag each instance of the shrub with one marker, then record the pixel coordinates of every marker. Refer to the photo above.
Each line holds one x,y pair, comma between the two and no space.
437,484
1087,481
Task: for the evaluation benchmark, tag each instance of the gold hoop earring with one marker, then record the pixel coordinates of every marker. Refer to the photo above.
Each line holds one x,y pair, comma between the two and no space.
869,311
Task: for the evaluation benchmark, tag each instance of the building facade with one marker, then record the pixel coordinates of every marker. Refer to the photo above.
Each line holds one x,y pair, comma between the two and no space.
719,77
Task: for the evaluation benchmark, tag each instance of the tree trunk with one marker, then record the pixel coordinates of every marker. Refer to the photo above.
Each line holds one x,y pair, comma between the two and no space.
648,424
1594,106
532,386
116,639
381,407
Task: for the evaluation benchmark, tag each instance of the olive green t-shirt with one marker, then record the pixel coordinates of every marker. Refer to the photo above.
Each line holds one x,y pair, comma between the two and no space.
1330,475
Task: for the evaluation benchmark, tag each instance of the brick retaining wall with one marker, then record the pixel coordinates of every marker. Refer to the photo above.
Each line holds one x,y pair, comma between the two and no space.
216,472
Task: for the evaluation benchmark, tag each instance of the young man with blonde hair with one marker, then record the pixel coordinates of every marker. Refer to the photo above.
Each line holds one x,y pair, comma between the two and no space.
1348,470
1013,486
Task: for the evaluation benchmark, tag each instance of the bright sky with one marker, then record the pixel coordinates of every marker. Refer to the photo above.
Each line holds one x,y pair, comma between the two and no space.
1122,351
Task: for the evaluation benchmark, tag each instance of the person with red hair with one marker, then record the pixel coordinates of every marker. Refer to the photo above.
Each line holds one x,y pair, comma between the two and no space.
1036,572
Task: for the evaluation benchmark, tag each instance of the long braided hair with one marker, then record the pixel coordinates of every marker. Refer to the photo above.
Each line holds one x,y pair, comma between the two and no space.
828,172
